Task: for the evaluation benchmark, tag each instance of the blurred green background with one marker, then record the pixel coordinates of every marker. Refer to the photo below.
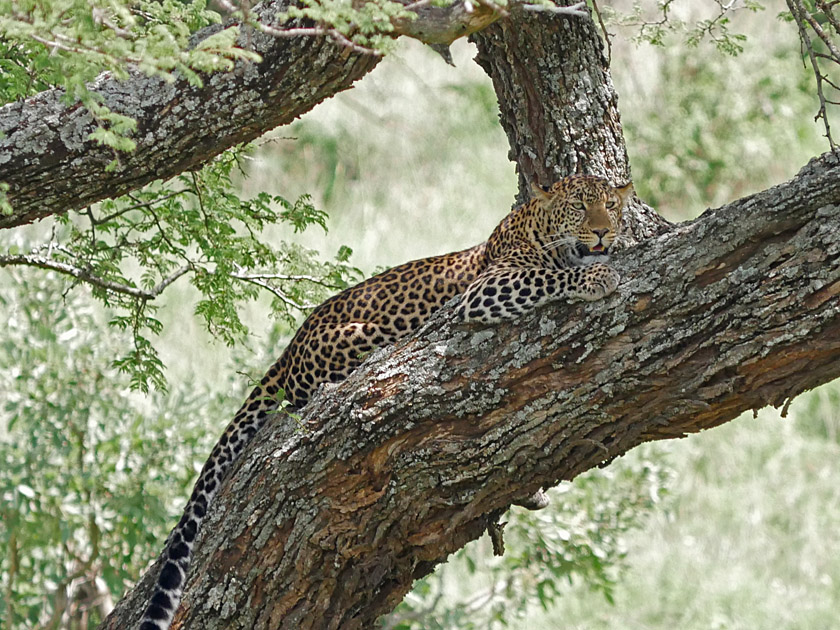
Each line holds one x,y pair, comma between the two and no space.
732,528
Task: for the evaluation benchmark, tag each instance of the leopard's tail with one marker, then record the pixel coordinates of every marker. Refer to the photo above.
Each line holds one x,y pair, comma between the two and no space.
179,546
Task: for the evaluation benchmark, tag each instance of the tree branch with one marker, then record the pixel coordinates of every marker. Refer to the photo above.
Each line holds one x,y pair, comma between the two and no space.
86,275
52,166
263,282
801,15
428,440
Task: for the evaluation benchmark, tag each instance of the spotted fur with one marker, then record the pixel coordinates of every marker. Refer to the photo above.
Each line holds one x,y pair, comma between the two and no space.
549,248
553,247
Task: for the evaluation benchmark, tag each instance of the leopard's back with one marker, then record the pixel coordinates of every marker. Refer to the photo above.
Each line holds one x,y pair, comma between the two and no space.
335,337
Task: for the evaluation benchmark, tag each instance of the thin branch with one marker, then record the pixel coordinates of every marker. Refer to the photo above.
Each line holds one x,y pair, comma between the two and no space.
318,32
274,291
280,276
827,9
315,31
799,12
85,275
137,206
835,53
165,238
645,26
603,30
417,5
72,48
392,621
578,9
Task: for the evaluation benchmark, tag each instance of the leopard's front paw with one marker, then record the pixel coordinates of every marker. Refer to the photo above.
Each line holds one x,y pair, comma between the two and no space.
598,281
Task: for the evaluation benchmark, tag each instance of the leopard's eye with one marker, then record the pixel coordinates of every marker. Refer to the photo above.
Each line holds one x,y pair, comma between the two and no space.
612,203
578,205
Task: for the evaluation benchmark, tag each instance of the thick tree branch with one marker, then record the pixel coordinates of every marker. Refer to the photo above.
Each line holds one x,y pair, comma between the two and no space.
410,458
52,166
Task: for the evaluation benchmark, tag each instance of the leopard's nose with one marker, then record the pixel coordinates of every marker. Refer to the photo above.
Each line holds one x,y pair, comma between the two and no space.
601,232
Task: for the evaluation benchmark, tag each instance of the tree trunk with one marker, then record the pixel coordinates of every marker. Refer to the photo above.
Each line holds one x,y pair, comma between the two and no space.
328,520
558,106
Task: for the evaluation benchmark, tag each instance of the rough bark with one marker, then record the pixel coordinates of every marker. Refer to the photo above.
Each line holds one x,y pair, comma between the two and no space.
52,167
559,122
409,459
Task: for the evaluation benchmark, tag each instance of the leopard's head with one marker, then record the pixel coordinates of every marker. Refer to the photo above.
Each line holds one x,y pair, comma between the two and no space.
585,207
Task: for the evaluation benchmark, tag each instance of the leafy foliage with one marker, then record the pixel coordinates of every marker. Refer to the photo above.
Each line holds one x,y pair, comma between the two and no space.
366,24
655,29
130,249
91,476
67,43
717,130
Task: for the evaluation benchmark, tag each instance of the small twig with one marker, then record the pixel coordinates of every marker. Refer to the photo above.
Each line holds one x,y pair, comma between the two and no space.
484,598
197,191
291,278
417,5
835,53
603,30
165,238
393,620
827,9
137,206
645,26
799,15
317,31
496,532
487,4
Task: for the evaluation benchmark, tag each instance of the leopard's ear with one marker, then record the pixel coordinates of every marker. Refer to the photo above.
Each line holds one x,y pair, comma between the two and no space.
540,191
625,192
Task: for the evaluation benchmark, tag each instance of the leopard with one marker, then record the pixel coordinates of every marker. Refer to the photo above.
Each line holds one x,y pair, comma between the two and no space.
554,246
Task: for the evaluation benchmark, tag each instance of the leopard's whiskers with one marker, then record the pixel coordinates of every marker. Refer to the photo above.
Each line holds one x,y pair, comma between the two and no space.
563,240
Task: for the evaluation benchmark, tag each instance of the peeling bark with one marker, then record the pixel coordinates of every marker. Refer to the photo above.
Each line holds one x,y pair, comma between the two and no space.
422,447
